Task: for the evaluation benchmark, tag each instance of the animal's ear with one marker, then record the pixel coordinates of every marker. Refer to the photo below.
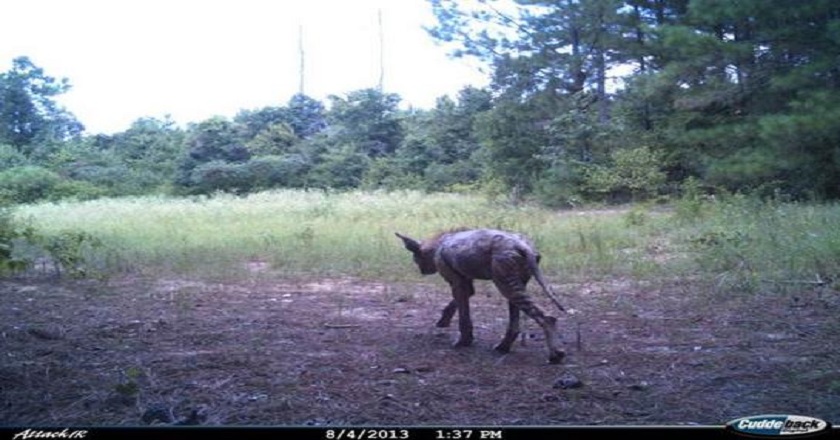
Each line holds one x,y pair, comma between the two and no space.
410,243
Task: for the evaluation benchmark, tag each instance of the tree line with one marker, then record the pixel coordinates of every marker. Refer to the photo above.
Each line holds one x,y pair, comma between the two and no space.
590,100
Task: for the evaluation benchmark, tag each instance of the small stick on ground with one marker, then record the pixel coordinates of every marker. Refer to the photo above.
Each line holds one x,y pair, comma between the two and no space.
328,325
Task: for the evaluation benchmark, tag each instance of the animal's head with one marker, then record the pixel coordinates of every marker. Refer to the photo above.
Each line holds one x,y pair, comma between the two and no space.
424,257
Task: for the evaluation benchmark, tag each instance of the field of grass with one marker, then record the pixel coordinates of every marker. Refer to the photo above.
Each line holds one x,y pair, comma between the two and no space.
738,242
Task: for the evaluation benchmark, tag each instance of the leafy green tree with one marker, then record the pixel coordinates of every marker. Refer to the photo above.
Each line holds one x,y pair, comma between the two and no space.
513,138
739,94
306,116
214,140
252,122
750,86
28,111
417,151
441,145
268,172
451,128
140,160
340,168
10,157
220,175
633,174
85,157
551,63
538,46
390,172
27,184
367,119
575,140
149,149
275,139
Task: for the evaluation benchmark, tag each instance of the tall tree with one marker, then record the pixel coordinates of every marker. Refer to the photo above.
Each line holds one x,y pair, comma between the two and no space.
740,94
752,85
441,145
28,111
150,148
534,46
215,140
367,119
306,116
551,64
252,122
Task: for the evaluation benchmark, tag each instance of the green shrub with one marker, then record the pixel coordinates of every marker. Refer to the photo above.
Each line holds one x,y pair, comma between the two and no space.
277,171
26,184
443,177
559,186
633,174
340,168
77,190
68,251
10,234
221,176
390,174
10,157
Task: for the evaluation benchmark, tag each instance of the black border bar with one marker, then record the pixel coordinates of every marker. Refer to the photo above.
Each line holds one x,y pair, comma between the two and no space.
383,433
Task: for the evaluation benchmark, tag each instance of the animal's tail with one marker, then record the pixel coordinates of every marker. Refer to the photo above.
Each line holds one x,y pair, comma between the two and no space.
535,269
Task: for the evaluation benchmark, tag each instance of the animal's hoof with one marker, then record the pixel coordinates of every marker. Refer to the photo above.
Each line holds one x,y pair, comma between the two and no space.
502,348
462,343
556,357
567,382
442,324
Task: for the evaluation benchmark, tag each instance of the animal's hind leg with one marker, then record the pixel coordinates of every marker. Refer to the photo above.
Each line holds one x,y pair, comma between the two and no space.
512,330
509,269
548,324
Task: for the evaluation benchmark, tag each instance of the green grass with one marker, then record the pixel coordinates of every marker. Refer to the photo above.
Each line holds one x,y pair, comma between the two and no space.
737,242
749,244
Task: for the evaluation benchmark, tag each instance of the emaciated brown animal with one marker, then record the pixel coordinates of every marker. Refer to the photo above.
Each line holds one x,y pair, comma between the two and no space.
506,258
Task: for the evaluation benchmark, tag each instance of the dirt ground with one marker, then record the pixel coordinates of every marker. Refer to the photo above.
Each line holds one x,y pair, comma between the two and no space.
273,351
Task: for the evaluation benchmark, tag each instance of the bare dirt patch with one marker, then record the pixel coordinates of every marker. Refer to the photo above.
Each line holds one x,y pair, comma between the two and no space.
139,351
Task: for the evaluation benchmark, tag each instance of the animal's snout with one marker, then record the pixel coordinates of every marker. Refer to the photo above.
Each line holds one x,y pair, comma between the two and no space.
427,270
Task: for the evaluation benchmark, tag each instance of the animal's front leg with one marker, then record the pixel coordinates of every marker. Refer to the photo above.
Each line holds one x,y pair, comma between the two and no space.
449,311
512,330
461,293
447,314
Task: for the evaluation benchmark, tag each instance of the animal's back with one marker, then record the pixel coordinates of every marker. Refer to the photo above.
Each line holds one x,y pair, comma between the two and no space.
470,252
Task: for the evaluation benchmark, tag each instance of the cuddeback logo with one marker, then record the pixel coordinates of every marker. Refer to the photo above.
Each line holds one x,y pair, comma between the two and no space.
777,424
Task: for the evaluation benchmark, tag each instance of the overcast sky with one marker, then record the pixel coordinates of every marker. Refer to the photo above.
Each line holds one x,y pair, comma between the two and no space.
193,59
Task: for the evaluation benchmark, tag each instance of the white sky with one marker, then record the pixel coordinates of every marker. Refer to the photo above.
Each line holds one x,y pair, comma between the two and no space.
193,59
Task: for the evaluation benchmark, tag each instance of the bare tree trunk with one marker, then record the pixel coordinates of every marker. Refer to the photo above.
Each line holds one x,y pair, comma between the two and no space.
601,87
302,65
381,53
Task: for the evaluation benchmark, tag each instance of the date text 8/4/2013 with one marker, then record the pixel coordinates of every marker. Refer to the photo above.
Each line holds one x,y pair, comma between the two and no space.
409,434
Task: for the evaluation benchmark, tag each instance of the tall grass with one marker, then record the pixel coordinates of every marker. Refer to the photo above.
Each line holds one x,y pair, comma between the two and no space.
749,244
315,232
739,242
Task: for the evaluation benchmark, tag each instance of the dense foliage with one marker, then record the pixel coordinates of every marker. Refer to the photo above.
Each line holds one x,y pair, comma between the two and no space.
590,100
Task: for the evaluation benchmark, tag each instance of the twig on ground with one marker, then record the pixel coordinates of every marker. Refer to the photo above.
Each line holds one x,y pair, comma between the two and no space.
339,326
